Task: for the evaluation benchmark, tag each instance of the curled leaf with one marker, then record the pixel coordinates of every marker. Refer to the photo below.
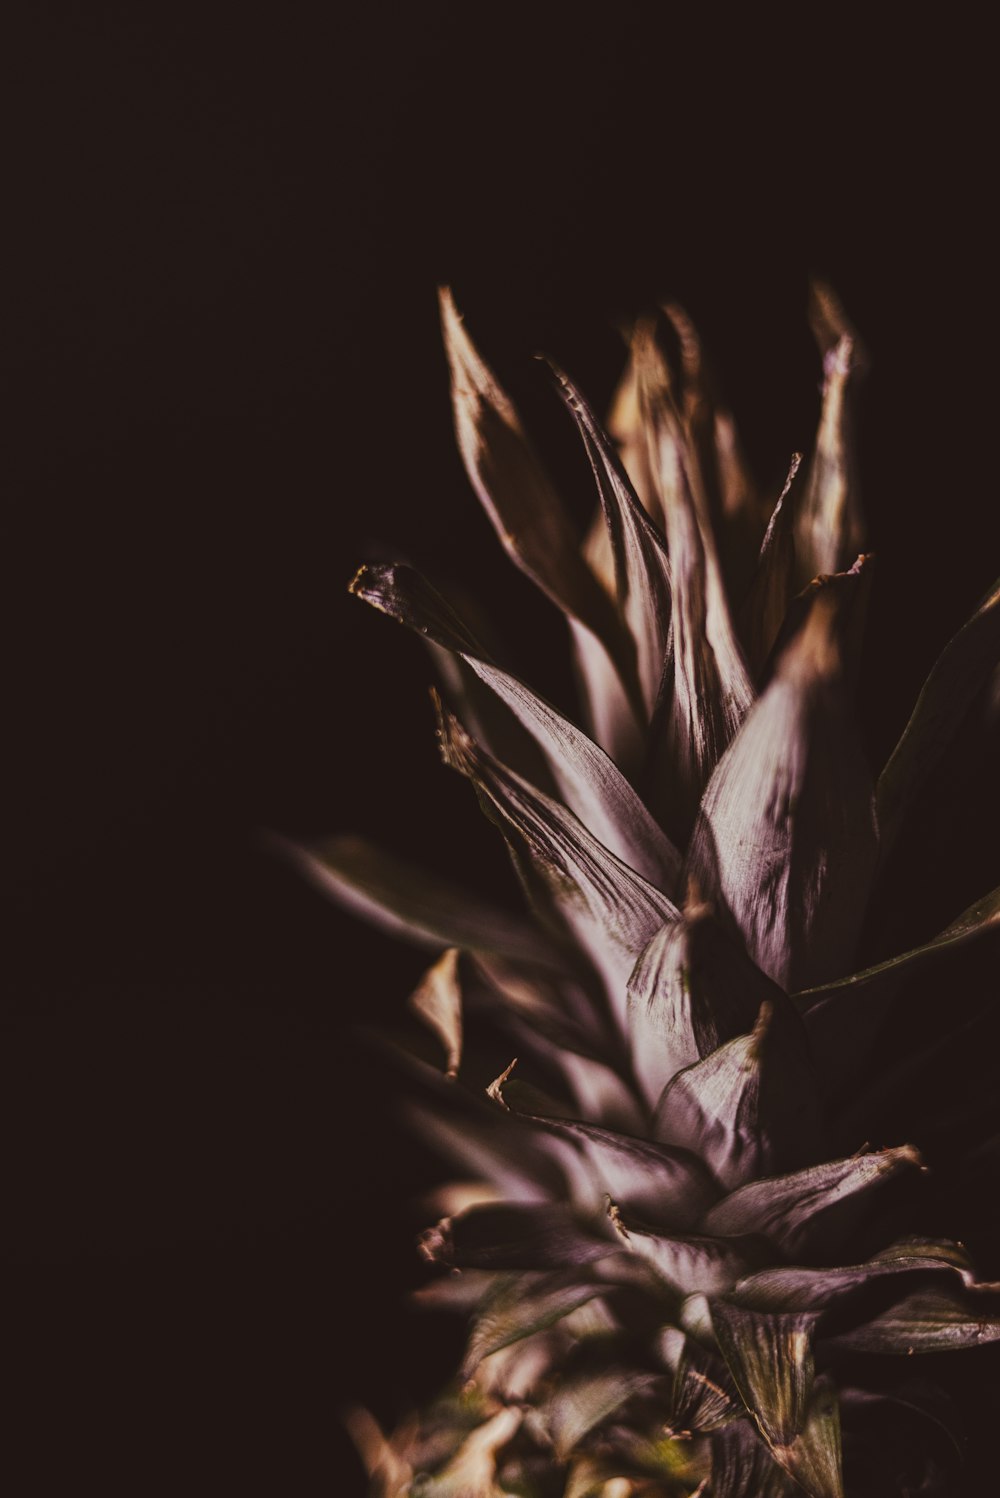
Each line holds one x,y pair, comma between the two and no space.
590,782
610,910
514,1236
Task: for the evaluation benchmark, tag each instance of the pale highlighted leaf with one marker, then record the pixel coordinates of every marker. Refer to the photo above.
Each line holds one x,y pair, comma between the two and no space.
690,1264
786,837
437,1000
472,1471
666,1187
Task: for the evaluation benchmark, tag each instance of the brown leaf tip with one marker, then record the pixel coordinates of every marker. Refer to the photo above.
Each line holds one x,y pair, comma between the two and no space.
458,748
615,1214
495,1089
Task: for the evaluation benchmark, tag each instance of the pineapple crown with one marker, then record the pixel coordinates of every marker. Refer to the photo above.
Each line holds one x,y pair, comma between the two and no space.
684,1273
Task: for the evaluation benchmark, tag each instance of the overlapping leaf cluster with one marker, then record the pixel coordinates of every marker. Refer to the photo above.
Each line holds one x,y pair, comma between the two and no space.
668,1258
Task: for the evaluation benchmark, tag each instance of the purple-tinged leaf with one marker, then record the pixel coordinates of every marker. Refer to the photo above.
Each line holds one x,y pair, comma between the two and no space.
690,1264
611,911
515,1236
961,669
411,903
749,1108
437,1000
804,1289
692,989
799,1210
934,1320
665,1187
786,835
641,565
590,783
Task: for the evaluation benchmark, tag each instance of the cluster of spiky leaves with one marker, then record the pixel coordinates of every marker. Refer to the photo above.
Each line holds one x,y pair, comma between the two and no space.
669,1255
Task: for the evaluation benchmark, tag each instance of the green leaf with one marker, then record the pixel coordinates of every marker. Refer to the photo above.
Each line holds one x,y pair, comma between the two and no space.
590,783
810,1206
610,910
786,836
956,676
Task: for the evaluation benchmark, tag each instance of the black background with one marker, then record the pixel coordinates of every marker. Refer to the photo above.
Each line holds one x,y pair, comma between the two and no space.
225,391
